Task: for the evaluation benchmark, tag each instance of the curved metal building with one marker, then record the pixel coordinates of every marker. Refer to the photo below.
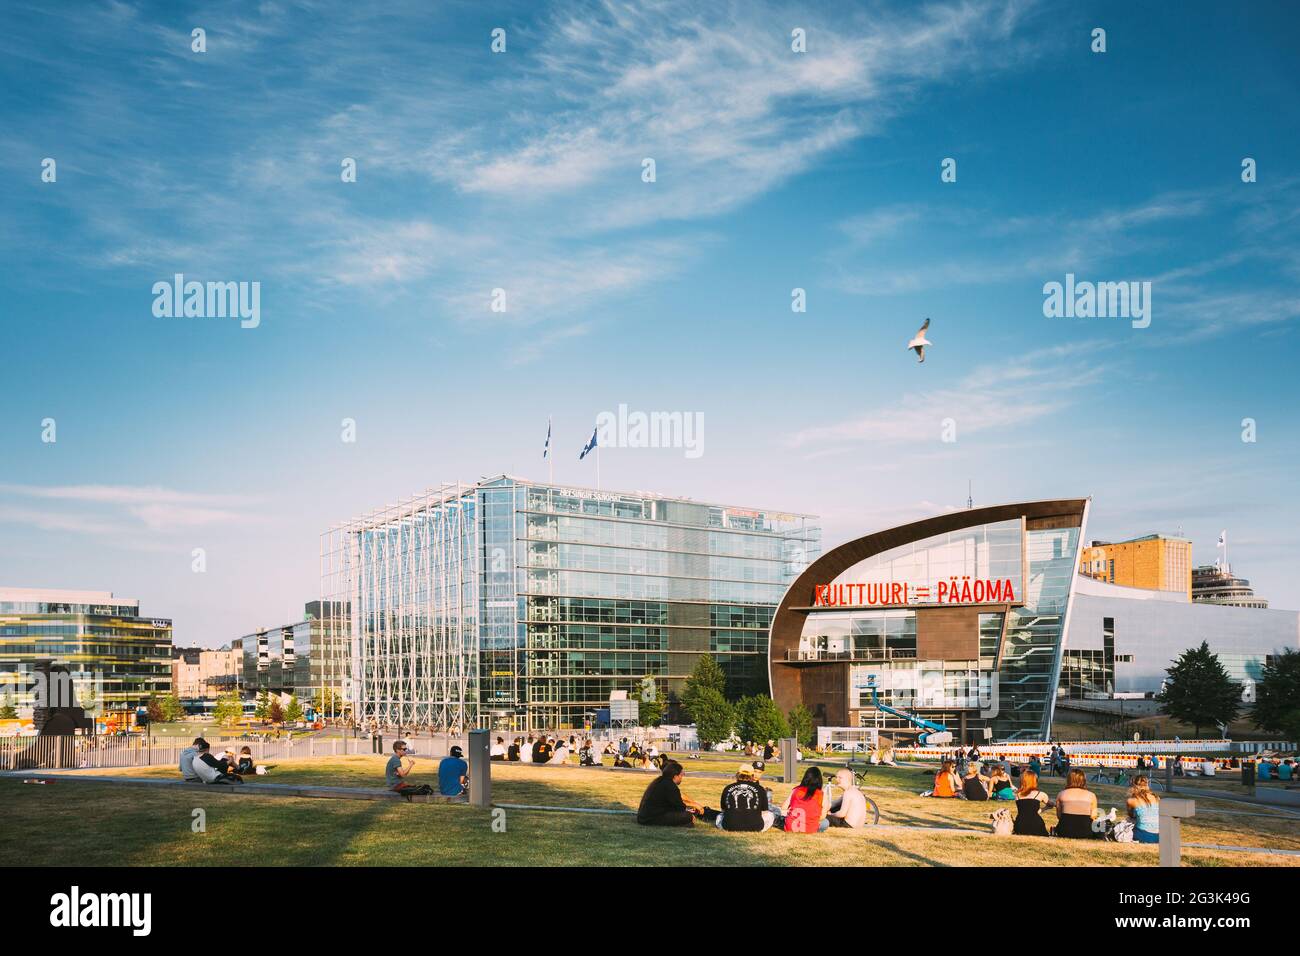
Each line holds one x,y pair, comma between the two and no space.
958,618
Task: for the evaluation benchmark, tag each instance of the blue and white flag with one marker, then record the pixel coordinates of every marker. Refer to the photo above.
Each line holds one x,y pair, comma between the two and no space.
546,449
589,446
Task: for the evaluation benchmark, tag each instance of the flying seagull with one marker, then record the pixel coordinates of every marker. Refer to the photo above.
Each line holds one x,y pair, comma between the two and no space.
919,341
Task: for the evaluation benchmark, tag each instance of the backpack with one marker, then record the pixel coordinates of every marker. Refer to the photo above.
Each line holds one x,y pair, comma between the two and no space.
1121,832
1002,822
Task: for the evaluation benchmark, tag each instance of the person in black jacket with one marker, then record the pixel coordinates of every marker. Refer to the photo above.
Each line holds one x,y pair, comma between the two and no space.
664,805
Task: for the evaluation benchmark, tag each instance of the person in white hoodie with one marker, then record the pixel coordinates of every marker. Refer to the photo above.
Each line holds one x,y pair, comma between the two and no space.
188,756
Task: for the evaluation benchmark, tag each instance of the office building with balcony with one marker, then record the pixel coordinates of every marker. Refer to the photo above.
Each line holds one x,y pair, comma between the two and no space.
116,657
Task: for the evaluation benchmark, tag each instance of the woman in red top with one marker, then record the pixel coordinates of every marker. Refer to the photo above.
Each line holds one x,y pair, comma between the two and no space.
806,808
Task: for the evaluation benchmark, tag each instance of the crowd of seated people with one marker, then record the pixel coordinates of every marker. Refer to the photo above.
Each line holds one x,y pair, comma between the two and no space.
747,806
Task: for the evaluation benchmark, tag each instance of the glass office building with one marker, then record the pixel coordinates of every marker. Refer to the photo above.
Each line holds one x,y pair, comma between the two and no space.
116,657
519,605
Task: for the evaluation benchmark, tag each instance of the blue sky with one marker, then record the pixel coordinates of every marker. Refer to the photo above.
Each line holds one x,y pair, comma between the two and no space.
522,171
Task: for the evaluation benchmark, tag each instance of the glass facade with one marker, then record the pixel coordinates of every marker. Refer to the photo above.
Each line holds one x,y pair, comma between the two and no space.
117,658
566,595
1030,658
969,635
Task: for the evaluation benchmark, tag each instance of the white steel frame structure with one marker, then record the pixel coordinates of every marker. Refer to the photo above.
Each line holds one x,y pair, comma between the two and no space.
400,588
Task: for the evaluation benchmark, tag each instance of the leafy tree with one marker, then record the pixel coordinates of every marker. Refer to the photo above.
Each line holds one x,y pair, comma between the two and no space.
7,709
229,708
328,702
707,675
263,709
1198,690
801,725
274,712
650,709
759,719
293,710
1277,696
154,708
714,717
173,709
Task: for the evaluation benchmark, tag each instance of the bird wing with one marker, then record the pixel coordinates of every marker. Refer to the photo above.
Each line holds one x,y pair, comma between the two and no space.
920,353
925,326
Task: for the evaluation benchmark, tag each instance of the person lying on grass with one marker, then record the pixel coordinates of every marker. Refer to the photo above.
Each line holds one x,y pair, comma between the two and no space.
664,805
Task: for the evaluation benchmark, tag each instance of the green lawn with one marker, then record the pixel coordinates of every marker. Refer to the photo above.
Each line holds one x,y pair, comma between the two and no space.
87,824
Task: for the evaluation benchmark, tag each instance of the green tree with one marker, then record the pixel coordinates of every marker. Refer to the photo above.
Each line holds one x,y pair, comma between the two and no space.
707,675
154,708
1198,690
293,710
263,709
714,717
171,706
801,725
229,708
7,709
650,708
1277,696
327,702
759,719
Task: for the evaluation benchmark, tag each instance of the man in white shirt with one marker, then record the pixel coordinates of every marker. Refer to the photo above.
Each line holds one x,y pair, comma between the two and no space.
850,810
526,751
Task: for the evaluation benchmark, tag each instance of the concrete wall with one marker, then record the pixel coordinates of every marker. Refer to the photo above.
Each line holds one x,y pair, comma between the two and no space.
1156,630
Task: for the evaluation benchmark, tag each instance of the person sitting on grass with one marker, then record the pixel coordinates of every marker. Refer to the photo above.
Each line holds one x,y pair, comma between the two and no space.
398,768
542,750
1144,809
1030,802
1000,786
210,769
453,773
973,786
1285,769
245,765
526,750
664,805
850,808
744,805
806,809
1035,764
498,751
1076,806
561,755
188,756
946,784
512,752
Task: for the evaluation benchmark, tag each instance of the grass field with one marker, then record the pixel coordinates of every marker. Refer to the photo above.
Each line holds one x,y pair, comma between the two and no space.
87,824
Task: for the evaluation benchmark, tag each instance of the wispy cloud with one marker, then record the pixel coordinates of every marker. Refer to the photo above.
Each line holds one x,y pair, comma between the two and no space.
997,396
117,508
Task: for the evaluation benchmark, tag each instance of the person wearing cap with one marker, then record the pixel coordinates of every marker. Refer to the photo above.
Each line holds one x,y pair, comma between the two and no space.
744,804
453,773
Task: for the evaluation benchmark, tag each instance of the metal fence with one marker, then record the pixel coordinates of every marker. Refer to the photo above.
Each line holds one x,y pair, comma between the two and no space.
92,752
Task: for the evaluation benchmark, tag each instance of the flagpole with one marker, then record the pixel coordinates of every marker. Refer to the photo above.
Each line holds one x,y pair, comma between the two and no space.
598,468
